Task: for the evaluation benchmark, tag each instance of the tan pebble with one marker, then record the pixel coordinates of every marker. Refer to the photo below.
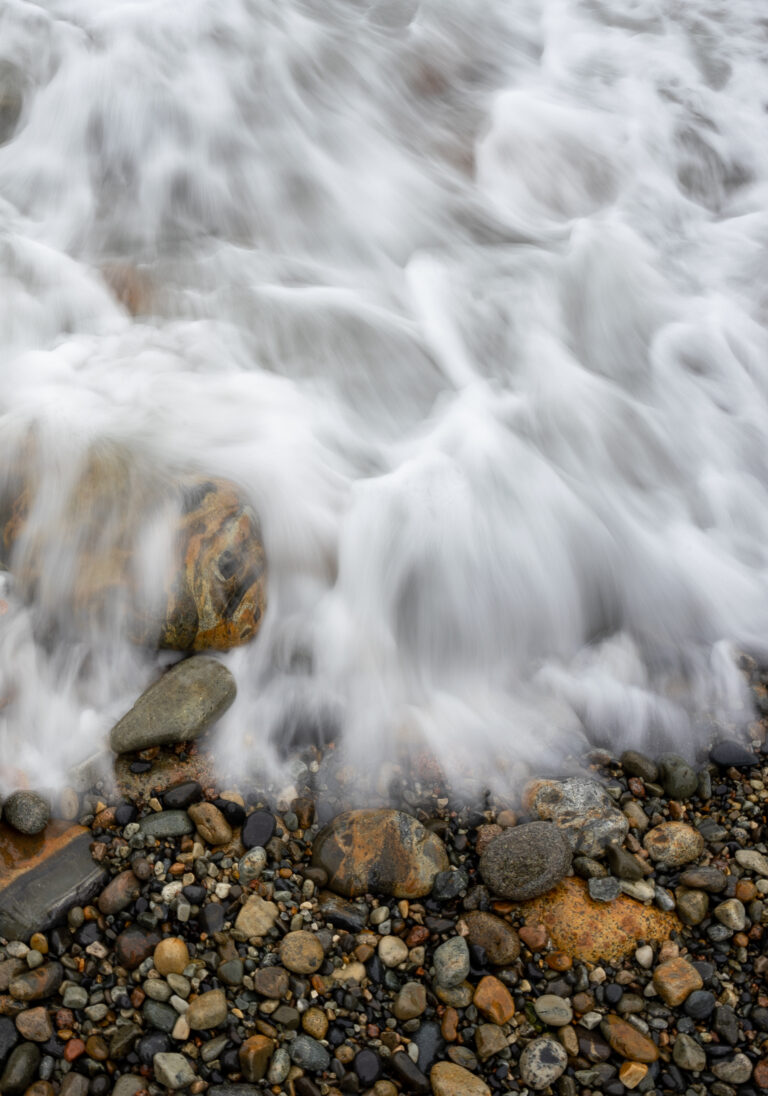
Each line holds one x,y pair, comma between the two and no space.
171,956
449,1079
301,952
675,980
315,1022
632,1073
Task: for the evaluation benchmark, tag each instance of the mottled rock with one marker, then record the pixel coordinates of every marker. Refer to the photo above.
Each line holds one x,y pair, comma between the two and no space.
185,701
301,952
692,906
495,936
381,852
271,982
593,931
26,812
675,979
553,1010
451,961
256,917
37,984
732,914
705,878
252,865
134,945
734,1071
542,1062
167,824
526,861
123,889
309,1054
673,844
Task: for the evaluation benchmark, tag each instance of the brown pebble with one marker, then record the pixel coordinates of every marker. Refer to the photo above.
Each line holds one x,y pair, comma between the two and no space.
449,1025
210,823
558,960
760,1074
674,980
301,952
254,1055
315,1022
40,1088
63,1018
626,1040
34,1024
632,1073
38,942
534,936
119,892
583,1003
171,956
493,1000
271,982
96,1048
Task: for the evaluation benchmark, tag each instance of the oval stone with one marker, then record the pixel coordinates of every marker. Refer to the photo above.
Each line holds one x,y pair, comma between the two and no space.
526,861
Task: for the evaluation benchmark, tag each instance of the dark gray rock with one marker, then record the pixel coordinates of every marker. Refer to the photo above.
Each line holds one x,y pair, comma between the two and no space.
677,777
604,890
637,764
178,707
36,899
167,824
20,1069
731,754
309,1054
526,861
26,812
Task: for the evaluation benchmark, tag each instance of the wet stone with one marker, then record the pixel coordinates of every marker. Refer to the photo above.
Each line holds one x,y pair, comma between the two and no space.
119,893
553,1010
700,1004
211,823
604,890
734,1071
526,861
258,828
20,1069
688,1054
493,1000
449,885
134,945
252,865
675,979
495,936
367,1066
271,981
256,917
692,907
301,952
34,1024
254,1056
405,1070
178,707
730,754
627,1041
449,1079
209,1010
173,1070
411,1001
677,777
704,878
27,812
182,795
637,764
489,1040
160,1016
380,852
673,844
623,864
37,984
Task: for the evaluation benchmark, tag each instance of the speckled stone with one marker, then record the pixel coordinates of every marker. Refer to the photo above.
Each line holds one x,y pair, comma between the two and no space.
449,1079
526,861
301,952
542,1062
27,812
593,931
674,844
675,979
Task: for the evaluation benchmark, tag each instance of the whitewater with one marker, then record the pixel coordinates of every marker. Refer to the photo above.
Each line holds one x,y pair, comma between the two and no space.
471,301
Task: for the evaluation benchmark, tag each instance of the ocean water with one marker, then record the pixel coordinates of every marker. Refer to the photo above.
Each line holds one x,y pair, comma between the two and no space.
470,300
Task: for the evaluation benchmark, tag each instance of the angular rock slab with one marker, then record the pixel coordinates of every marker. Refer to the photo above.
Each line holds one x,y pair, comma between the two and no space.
379,852
41,877
185,701
596,931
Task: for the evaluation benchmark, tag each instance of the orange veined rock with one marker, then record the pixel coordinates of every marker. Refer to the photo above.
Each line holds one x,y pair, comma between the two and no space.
596,931
78,542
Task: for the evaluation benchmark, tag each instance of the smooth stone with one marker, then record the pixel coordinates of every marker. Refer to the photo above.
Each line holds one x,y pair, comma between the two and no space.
210,823
692,907
526,861
181,796
753,861
34,1024
134,945
44,875
128,1085
279,1066
542,1062
451,961
489,1040
27,812
407,1073
185,701
705,878
258,829
449,1079
367,1066
37,984
734,1071
160,1016
271,982
730,754
173,1070
688,1054
9,1037
627,1041
119,893
171,956
700,1004
379,851
411,1001
167,824
553,1010
677,777
732,914
623,864
20,1069
637,764
308,1053
392,951
209,1010
495,936
493,1000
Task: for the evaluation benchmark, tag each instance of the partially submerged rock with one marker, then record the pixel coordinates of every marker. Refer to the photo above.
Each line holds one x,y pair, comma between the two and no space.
177,708
89,526
379,852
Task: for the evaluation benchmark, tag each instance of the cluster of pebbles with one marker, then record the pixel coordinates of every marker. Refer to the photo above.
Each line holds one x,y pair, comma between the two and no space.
606,933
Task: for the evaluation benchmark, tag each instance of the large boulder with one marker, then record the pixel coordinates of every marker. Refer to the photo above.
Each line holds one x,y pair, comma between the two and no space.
178,561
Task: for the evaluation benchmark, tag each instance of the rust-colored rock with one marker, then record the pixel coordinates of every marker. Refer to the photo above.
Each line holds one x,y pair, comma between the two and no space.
675,980
211,594
380,852
37,984
627,1041
254,1056
596,931
632,1073
493,1000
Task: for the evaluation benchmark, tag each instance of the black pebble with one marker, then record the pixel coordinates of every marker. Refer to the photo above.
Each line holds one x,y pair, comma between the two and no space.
258,829
124,814
233,812
181,796
732,754
404,1070
9,1037
140,767
699,1004
211,918
156,1042
367,1066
